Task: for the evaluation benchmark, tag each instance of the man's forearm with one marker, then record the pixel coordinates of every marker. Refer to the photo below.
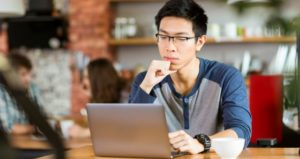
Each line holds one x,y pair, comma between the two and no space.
140,96
146,88
225,133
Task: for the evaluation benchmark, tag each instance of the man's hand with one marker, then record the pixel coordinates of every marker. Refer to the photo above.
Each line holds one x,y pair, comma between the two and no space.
183,142
156,72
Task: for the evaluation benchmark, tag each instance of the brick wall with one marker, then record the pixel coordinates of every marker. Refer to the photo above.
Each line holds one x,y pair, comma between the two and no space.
89,33
3,40
89,27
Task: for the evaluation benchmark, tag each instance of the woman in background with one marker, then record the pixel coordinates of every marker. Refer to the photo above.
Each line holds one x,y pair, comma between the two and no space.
102,84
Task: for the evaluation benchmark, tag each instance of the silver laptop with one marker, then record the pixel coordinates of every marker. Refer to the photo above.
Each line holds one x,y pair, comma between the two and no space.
129,130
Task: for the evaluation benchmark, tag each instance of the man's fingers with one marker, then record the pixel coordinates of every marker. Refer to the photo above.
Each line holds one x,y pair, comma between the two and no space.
184,148
179,144
160,73
160,68
171,71
183,142
178,136
176,133
176,139
173,134
158,65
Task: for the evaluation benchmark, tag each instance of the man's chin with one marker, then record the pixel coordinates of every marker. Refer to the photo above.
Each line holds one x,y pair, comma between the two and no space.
173,68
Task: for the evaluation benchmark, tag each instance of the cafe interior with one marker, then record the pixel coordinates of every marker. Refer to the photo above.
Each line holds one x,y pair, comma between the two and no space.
260,38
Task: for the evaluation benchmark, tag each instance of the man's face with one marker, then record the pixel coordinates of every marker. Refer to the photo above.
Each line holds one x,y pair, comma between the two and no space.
25,76
181,49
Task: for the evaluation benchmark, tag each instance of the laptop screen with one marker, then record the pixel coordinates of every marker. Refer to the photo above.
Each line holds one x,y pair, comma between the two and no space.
129,130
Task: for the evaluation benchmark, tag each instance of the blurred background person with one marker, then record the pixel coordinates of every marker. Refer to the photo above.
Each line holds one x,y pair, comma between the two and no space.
13,119
102,84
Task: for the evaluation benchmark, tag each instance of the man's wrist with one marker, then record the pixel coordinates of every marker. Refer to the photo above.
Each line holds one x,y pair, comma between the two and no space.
146,88
205,141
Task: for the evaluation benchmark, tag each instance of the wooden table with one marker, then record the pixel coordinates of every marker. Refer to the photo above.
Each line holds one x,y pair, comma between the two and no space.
87,152
29,143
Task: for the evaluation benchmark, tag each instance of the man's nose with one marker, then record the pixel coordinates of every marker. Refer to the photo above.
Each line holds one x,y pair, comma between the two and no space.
171,39
171,44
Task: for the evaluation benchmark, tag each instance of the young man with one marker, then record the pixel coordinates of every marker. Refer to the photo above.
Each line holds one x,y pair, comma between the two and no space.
203,99
13,120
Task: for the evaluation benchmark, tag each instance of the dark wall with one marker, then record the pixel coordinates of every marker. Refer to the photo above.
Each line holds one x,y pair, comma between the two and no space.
36,32
40,7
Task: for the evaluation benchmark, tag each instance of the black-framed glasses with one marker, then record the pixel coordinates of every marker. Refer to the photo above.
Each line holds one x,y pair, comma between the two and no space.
176,39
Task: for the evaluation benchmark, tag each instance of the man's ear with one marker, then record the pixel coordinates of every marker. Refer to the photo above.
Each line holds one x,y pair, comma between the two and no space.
200,42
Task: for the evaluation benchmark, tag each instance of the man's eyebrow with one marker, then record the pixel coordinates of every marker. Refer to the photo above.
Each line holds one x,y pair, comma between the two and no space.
179,33
163,31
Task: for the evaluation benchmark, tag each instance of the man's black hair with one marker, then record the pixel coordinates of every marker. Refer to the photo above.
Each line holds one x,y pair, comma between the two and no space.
187,9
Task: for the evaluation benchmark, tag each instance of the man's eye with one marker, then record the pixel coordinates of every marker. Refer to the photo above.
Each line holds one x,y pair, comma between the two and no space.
181,38
163,37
